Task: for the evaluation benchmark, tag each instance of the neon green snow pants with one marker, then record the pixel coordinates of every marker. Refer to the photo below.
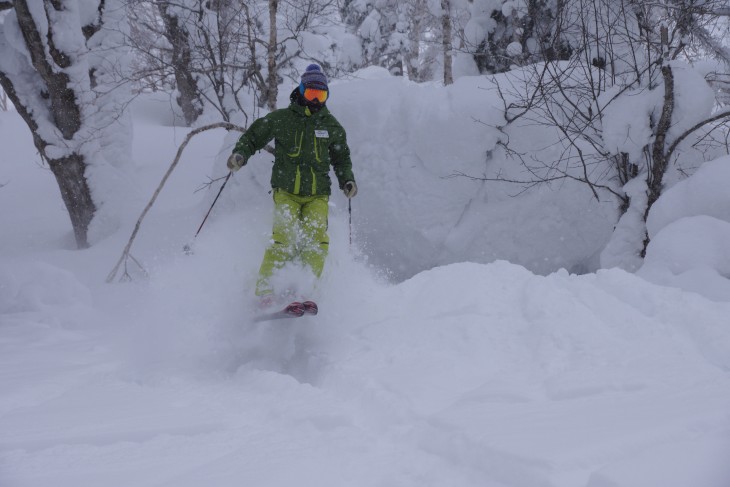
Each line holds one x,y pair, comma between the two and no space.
300,231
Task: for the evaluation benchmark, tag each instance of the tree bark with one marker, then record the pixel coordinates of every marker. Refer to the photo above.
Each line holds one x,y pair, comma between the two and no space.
64,110
446,30
655,178
272,78
414,49
69,173
189,97
659,156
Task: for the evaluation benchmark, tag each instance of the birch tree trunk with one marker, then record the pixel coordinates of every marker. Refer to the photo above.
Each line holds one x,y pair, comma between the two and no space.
414,50
660,159
446,31
272,78
659,155
187,87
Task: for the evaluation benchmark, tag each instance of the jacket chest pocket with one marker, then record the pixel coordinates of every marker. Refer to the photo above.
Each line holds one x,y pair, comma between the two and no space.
321,146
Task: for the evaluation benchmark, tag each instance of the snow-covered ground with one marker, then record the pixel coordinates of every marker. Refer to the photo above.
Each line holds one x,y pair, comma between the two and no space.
467,374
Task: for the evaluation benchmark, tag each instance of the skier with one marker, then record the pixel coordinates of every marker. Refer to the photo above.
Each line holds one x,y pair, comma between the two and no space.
308,139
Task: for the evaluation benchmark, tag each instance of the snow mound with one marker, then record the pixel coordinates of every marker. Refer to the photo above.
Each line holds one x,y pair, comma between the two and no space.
676,464
27,287
519,335
692,242
704,193
689,227
467,374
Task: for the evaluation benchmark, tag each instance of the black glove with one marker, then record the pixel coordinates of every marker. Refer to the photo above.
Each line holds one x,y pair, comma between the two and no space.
350,189
236,161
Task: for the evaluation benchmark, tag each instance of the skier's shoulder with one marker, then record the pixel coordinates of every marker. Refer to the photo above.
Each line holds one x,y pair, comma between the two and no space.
271,121
329,119
278,114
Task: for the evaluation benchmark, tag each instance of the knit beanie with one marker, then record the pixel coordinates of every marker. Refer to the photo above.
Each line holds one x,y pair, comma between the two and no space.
313,77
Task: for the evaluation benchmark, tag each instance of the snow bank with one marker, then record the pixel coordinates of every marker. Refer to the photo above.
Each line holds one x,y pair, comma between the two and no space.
28,287
689,227
676,464
467,373
704,193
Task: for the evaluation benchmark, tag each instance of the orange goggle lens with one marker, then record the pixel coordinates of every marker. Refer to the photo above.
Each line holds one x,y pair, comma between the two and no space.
311,94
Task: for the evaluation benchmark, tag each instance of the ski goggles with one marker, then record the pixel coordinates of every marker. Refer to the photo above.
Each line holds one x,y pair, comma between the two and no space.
311,94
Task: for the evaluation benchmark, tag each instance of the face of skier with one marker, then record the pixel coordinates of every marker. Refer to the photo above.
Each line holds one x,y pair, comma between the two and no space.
313,95
314,98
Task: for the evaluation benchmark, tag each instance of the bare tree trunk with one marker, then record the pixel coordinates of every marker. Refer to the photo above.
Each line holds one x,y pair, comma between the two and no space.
69,172
66,114
414,48
446,27
659,156
660,160
272,78
189,97
51,65
655,178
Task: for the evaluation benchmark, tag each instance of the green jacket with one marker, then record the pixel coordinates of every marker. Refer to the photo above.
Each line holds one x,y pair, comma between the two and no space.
305,147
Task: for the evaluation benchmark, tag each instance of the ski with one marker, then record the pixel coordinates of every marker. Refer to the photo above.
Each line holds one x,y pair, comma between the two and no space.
291,310
310,307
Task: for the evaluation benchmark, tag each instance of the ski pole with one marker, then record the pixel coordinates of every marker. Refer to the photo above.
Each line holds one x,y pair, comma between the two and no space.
349,211
230,173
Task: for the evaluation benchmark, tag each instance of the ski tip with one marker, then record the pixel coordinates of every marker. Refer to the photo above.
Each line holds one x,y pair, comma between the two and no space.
310,307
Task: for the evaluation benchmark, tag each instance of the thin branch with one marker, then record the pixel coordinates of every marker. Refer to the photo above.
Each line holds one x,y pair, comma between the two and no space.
697,126
537,181
209,183
126,253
